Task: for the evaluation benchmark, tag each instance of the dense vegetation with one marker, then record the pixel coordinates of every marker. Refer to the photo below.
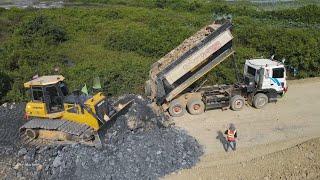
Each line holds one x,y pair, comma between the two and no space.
119,40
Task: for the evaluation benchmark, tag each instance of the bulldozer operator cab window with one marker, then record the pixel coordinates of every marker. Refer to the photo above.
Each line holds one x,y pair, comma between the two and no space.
278,73
53,99
37,94
64,89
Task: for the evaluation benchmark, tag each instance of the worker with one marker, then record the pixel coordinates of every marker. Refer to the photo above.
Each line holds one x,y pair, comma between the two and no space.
231,134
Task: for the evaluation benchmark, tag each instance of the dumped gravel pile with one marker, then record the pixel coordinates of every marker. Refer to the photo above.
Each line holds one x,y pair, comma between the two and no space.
137,156
138,147
11,118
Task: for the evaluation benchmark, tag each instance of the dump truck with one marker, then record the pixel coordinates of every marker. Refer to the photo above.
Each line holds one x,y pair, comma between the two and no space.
172,77
56,116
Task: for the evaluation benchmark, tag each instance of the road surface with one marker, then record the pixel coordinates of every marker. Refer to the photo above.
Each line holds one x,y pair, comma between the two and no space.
274,129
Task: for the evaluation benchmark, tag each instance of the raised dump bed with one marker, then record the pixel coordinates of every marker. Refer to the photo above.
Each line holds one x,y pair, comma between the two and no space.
192,59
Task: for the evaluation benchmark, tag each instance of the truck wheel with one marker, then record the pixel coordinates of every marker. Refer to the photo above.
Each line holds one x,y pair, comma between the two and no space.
176,109
195,106
236,103
260,100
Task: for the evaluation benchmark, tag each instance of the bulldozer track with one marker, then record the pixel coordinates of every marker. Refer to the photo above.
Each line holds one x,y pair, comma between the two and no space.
72,128
58,125
25,140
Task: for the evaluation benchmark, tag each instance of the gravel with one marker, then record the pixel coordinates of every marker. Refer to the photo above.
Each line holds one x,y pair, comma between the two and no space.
137,146
11,118
186,45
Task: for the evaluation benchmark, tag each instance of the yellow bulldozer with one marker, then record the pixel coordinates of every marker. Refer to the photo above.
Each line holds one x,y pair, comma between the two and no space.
59,117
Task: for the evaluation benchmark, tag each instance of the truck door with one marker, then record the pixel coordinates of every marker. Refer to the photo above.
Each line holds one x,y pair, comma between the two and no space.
265,81
278,79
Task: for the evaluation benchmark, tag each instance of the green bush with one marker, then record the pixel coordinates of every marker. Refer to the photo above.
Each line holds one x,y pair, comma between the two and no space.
5,85
42,27
121,39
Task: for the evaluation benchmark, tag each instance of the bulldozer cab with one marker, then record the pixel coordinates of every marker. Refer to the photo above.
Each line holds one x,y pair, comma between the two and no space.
47,94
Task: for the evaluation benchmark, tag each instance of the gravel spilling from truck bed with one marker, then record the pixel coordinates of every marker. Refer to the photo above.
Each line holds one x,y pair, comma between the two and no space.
187,44
138,147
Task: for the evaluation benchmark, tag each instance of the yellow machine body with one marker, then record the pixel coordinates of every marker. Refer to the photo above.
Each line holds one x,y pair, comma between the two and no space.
72,112
83,116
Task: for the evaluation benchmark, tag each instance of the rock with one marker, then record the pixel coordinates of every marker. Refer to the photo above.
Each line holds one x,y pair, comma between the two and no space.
85,165
36,175
39,167
19,175
17,166
132,123
112,162
29,157
4,105
43,149
22,152
96,158
57,161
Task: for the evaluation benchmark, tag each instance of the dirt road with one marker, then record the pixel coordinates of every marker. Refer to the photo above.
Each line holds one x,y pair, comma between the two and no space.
270,132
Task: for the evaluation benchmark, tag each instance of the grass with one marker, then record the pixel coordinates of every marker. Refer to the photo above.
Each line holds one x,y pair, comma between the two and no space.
120,40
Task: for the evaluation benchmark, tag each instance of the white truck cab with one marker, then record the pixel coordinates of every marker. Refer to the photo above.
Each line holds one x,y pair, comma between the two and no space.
267,74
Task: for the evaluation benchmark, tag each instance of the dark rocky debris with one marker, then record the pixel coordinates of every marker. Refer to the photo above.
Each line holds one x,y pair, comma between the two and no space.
137,146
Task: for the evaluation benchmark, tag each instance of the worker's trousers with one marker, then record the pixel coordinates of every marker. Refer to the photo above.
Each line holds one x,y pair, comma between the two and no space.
230,144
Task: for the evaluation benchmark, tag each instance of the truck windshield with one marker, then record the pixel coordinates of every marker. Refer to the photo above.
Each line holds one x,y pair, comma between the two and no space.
278,72
251,71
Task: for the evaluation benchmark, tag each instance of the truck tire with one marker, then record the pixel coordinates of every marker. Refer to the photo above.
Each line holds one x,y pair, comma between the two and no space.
195,106
176,109
260,100
237,103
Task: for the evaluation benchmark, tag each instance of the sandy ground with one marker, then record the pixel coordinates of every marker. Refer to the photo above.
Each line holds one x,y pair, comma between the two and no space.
271,133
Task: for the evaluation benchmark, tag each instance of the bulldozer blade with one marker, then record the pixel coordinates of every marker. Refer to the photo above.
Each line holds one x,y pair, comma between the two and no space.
121,111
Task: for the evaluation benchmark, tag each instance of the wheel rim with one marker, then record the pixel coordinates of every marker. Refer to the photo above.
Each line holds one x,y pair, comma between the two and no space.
261,102
238,104
31,133
196,107
177,109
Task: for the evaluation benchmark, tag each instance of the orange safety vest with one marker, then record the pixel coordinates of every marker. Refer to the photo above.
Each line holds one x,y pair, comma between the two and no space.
230,135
